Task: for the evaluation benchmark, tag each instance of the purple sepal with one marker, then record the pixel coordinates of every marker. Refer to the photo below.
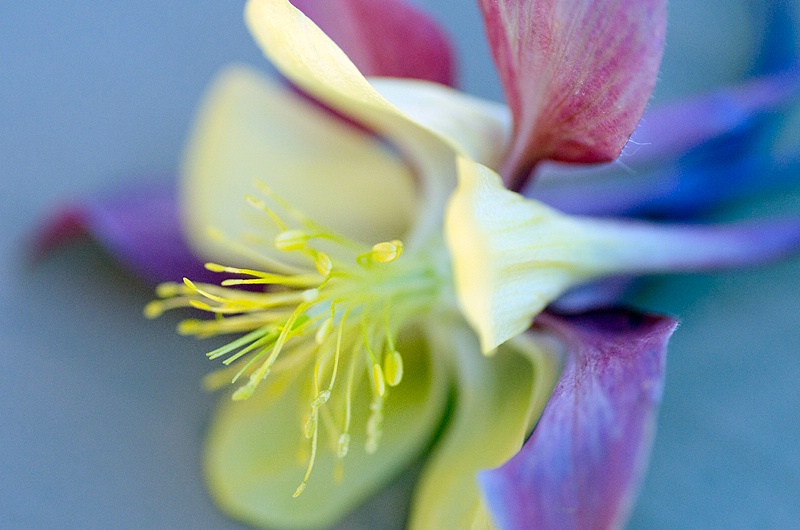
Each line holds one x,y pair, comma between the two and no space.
736,245
672,130
139,227
703,162
581,467
778,49
693,187
680,190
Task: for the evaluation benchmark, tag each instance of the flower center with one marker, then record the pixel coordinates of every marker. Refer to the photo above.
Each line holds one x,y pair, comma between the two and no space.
332,311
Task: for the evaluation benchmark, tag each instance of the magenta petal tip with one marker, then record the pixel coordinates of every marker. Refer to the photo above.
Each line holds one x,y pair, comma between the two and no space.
139,227
387,38
577,75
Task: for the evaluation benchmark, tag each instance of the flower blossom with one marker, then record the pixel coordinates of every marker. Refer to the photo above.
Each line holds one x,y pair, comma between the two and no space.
387,282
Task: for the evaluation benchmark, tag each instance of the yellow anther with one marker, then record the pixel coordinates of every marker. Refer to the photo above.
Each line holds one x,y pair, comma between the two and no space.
243,392
168,289
189,327
393,368
323,263
154,309
216,267
343,446
255,202
300,489
378,381
291,240
387,251
246,390
314,434
202,306
321,399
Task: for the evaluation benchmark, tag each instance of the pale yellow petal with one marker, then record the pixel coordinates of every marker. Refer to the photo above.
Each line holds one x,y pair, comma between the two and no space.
512,256
306,56
256,454
498,402
251,128
480,127
309,58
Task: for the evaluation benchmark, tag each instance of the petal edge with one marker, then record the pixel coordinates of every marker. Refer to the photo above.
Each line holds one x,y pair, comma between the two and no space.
577,75
388,38
582,464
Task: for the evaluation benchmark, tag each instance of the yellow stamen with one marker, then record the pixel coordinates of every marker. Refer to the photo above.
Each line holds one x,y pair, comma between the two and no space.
156,308
258,204
366,294
311,460
374,425
387,251
232,324
324,331
250,253
323,263
378,381
167,289
393,368
343,445
289,240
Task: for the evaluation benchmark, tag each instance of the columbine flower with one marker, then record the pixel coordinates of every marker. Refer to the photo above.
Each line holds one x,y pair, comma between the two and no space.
384,277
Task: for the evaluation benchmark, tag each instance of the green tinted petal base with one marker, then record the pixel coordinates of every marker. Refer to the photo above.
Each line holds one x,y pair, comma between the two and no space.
256,453
500,399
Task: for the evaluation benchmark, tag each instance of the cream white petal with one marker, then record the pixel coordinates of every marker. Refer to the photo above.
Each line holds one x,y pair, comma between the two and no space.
498,402
251,128
256,454
513,256
481,128
308,58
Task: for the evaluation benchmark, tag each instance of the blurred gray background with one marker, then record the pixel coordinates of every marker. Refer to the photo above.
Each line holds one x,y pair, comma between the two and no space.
103,415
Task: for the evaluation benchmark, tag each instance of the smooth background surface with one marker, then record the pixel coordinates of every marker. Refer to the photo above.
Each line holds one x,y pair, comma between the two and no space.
103,415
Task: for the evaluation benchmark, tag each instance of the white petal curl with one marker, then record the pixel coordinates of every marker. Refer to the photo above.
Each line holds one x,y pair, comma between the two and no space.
253,129
513,256
312,61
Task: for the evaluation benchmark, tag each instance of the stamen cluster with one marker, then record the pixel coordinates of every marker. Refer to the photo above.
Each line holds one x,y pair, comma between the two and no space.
335,313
